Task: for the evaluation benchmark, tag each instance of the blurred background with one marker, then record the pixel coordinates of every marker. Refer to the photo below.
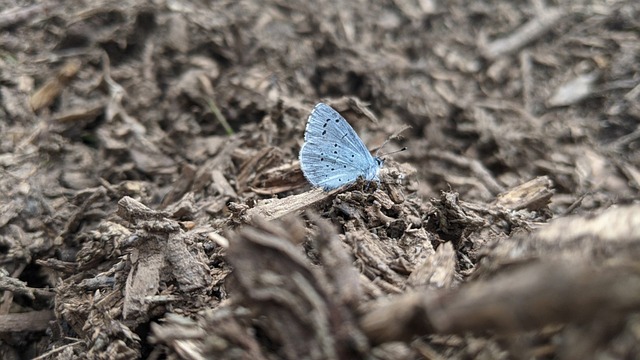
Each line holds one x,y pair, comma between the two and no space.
208,100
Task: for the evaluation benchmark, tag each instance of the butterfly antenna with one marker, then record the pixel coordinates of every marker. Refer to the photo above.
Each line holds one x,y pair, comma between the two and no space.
394,136
381,146
394,152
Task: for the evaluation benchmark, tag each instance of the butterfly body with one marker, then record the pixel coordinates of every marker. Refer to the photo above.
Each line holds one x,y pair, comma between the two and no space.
333,154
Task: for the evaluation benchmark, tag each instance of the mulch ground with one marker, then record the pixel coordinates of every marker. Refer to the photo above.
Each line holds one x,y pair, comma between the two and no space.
152,203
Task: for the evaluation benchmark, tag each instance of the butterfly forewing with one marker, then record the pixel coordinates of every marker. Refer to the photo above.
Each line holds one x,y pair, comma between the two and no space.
325,125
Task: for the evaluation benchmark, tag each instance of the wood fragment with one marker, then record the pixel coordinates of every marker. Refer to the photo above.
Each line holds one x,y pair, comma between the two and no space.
277,208
337,262
46,94
80,114
16,15
300,312
574,90
437,271
617,226
180,187
532,195
28,321
159,246
527,33
143,280
528,298
526,69
476,167
178,34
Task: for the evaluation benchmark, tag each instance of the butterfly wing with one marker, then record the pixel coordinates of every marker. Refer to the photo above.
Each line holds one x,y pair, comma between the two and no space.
333,154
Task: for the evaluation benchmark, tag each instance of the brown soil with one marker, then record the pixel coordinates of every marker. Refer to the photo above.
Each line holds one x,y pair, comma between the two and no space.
152,203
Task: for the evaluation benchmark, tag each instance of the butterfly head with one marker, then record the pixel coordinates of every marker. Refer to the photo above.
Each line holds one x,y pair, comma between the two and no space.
371,174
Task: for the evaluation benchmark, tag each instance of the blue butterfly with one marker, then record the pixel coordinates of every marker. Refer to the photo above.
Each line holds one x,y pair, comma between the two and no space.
333,154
